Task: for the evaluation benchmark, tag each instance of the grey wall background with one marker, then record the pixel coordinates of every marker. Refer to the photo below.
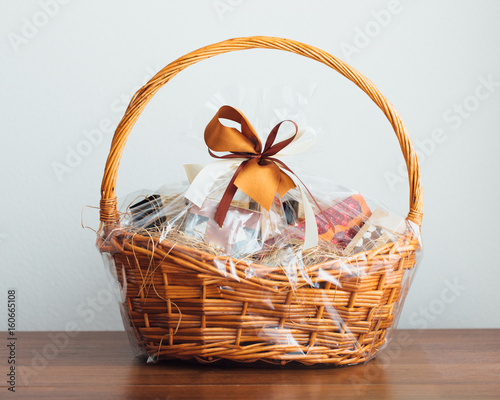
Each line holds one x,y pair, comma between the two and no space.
68,68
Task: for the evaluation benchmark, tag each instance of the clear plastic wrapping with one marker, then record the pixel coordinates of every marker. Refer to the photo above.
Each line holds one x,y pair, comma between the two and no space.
250,289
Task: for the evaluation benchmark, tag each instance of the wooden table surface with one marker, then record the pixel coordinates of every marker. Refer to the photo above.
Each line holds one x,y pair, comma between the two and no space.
431,364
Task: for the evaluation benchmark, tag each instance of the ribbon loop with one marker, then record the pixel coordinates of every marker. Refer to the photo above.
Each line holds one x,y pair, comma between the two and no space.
219,137
270,148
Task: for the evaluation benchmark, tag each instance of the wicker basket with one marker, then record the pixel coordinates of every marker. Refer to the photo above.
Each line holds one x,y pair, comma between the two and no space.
198,311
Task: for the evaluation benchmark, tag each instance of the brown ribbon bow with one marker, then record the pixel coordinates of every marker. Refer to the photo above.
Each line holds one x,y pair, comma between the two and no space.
260,176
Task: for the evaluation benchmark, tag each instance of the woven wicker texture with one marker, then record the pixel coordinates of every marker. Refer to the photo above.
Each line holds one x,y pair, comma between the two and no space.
183,303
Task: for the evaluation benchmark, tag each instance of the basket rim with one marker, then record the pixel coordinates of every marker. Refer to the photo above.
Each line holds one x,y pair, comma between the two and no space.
161,248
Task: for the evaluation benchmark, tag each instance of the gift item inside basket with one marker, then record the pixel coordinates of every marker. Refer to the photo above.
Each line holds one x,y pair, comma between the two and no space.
345,225
250,261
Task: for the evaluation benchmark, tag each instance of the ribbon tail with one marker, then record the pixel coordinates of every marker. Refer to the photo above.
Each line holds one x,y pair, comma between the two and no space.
227,197
311,227
204,179
192,170
260,181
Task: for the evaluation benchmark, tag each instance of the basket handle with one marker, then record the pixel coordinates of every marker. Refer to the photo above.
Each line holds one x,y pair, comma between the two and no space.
108,208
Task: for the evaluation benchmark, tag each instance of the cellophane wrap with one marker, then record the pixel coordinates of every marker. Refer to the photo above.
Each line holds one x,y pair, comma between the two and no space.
249,290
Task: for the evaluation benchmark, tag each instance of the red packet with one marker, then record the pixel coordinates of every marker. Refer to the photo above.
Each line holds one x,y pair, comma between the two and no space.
341,222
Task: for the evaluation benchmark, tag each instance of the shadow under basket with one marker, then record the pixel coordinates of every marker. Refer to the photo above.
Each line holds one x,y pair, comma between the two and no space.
183,303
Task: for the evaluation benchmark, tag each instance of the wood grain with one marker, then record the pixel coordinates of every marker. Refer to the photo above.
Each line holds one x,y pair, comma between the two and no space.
431,364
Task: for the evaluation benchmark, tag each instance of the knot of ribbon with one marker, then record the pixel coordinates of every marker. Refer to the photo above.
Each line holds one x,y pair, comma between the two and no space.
260,175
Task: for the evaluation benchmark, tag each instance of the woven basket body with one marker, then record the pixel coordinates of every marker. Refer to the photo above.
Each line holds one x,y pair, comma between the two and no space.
182,303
